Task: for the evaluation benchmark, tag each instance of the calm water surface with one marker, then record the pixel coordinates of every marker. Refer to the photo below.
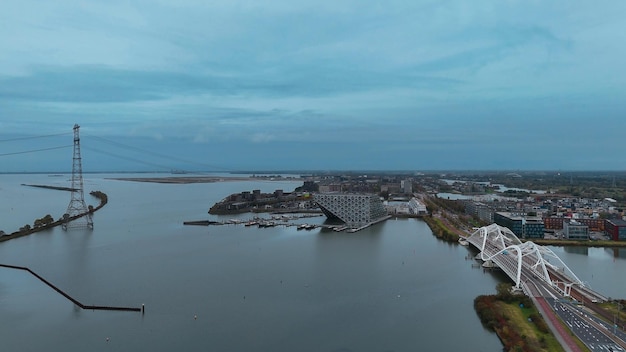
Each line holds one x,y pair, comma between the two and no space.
392,287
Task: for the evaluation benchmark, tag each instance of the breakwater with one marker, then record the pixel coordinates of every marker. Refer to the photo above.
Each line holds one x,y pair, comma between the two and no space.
28,230
73,300
58,188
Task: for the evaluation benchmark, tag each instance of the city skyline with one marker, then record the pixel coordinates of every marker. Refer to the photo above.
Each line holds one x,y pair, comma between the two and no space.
234,85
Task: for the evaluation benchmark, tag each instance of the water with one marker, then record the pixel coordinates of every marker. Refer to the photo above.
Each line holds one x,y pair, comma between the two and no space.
600,268
392,287
501,188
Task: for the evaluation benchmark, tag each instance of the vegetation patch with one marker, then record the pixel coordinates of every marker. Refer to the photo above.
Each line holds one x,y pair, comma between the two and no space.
440,230
516,321
576,243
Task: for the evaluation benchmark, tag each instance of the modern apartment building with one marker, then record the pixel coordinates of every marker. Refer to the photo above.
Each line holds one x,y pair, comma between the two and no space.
574,230
354,209
615,229
523,226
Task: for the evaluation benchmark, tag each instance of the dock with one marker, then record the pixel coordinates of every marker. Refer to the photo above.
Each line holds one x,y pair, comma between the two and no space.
284,220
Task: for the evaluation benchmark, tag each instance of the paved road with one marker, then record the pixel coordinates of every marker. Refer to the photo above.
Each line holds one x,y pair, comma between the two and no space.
594,335
592,331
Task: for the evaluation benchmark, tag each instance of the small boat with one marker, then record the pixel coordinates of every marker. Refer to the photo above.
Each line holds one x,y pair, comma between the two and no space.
267,224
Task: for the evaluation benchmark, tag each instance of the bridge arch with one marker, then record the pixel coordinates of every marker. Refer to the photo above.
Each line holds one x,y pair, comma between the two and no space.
501,246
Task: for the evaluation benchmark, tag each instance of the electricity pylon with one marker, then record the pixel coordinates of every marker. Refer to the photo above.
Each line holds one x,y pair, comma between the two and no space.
77,214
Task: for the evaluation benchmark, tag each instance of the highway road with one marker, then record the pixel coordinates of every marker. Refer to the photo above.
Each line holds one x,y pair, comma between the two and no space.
595,333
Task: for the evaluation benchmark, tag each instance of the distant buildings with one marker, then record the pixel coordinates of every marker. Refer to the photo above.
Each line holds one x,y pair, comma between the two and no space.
406,186
558,223
479,210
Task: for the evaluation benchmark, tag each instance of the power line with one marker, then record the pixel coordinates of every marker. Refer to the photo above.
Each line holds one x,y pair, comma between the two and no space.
118,144
169,157
127,158
34,137
35,150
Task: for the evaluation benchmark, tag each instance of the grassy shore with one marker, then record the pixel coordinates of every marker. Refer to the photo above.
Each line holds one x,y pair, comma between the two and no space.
440,230
576,243
517,323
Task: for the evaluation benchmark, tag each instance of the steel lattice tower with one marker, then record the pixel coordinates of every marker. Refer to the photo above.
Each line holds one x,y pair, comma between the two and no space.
77,214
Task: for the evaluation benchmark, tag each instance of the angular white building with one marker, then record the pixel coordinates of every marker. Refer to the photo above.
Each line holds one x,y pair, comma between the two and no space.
355,210
416,207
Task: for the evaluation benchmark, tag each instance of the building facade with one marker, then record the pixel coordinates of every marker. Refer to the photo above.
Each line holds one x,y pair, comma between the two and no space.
354,209
406,186
479,210
416,207
557,223
574,230
615,229
522,226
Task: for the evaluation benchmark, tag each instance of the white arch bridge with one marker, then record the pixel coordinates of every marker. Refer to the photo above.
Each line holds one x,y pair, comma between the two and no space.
500,246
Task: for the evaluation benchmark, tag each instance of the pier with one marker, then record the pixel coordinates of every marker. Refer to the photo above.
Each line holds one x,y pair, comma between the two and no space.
284,220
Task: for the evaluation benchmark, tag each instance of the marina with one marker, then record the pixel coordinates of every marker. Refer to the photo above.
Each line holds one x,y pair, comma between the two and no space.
284,221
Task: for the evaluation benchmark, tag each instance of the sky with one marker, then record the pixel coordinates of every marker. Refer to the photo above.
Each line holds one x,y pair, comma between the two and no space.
313,85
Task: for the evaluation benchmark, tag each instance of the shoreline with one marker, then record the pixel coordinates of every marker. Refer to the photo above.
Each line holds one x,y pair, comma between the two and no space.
198,179
30,230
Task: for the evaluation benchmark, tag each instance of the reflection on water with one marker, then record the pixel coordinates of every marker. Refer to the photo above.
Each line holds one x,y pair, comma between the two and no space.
576,250
617,252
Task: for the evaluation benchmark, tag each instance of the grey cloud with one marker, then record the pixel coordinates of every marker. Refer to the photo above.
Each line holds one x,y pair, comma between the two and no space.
97,84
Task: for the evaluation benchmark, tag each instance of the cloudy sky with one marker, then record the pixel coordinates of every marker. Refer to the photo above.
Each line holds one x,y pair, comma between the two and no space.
277,84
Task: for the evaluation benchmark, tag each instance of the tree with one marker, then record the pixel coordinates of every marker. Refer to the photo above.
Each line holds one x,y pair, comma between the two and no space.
504,292
48,219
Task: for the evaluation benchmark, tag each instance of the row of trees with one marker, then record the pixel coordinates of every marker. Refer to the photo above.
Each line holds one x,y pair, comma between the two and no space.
45,221
48,220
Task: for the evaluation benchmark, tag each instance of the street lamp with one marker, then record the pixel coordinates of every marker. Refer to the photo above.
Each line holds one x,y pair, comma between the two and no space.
616,317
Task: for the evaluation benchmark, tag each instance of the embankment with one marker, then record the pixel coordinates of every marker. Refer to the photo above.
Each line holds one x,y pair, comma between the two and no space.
37,227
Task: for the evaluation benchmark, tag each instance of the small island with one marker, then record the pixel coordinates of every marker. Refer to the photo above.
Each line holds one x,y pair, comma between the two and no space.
299,200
